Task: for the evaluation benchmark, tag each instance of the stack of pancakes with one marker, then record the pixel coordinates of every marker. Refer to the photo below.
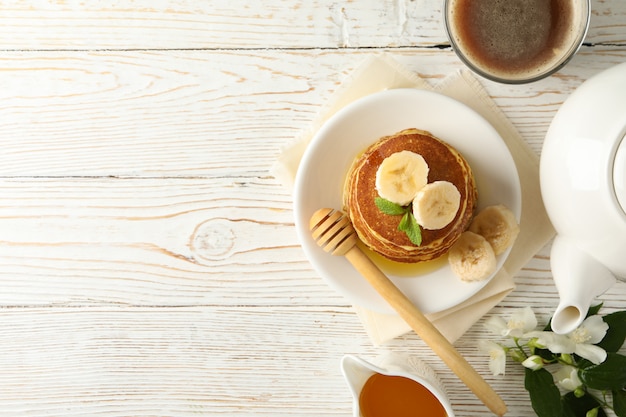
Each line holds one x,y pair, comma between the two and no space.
379,231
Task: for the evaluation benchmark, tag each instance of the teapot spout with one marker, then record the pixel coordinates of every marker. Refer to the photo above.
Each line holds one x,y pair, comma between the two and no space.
579,279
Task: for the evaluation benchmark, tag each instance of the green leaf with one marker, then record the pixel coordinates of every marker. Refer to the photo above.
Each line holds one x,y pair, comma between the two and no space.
619,403
610,374
579,407
404,223
544,394
616,334
389,207
409,225
546,355
593,310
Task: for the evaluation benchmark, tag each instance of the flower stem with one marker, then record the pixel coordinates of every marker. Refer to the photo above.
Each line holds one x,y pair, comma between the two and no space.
520,347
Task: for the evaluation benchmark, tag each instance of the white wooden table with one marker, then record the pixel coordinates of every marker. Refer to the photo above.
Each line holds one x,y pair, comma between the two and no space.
149,264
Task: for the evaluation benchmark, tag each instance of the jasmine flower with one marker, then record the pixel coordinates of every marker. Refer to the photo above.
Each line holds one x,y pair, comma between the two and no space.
581,341
533,362
567,378
497,356
519,324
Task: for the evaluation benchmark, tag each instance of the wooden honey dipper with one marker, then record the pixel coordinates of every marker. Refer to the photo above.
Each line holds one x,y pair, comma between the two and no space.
334,233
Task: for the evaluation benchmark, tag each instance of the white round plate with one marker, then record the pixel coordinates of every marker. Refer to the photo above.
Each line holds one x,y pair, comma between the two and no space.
322,171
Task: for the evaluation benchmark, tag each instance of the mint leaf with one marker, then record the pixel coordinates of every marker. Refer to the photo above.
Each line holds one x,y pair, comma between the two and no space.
409,225
404,223
389,207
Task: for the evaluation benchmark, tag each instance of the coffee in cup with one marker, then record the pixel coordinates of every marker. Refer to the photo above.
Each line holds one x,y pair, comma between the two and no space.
516,41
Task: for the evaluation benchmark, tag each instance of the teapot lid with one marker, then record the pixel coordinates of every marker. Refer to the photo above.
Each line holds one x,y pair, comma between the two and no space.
619,174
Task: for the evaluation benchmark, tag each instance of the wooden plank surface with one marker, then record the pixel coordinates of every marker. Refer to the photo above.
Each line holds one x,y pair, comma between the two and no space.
245,24
149,264
199,113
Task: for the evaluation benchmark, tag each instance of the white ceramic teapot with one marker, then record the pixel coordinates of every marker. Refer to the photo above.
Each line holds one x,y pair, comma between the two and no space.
583,185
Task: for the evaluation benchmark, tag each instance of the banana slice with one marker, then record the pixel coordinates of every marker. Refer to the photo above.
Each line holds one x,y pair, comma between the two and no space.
471,257
400,176
436,205
498,225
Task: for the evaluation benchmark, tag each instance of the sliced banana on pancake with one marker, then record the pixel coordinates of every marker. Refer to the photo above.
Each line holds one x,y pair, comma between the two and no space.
375,227
400,176
498,225
436,205
472,258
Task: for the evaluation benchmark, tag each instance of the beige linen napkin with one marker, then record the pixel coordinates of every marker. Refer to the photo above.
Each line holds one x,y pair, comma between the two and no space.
380,72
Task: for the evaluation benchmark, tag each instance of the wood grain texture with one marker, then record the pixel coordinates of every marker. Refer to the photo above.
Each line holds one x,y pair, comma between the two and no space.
171,361
245,24
149,264
186,361
209,114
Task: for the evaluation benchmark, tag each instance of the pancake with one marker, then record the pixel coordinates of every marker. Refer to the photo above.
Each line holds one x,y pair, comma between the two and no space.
379,231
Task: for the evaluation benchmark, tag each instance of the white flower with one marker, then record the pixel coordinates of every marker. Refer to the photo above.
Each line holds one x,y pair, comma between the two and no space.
581,341
533,362
567,377
520,323
590,332
497,356
556,343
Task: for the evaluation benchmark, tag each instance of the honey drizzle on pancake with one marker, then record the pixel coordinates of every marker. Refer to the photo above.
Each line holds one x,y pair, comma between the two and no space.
379,232
404,269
